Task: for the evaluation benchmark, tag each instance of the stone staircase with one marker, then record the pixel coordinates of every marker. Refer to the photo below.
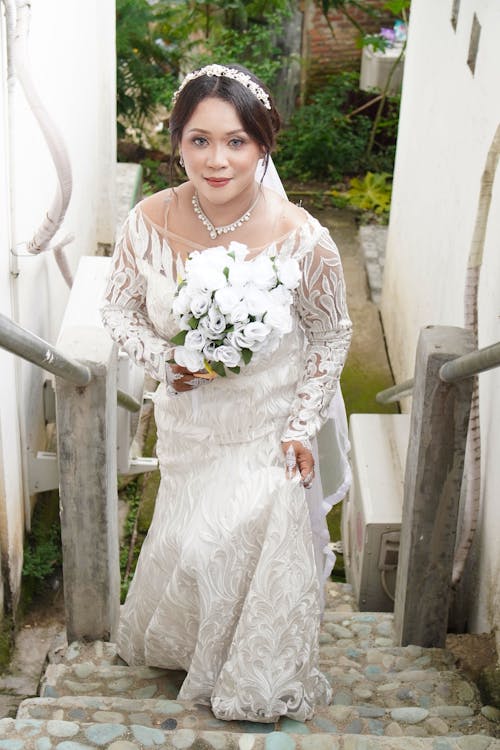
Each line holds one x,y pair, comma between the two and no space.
385,697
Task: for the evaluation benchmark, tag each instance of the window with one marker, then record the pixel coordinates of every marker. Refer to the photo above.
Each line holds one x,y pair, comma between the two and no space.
475,33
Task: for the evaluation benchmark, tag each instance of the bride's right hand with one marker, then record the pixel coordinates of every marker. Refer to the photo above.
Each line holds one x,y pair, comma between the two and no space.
181,380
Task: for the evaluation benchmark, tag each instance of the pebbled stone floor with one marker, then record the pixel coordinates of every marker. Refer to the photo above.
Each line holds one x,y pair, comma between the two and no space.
384,697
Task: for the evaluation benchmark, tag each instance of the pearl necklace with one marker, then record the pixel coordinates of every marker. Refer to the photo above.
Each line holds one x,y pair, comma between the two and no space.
214,231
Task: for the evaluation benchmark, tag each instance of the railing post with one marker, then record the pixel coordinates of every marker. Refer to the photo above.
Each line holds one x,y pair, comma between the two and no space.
86,437
434,468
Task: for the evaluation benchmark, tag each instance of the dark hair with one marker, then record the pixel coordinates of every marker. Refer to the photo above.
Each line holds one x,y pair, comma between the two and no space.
260,123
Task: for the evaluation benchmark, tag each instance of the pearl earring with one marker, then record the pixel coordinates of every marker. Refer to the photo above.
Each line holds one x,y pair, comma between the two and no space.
181,161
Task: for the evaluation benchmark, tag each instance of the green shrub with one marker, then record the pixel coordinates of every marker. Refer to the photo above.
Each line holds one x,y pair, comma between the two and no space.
42,553
320,141
325,141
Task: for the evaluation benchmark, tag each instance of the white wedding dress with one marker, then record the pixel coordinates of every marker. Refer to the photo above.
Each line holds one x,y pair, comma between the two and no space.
228,582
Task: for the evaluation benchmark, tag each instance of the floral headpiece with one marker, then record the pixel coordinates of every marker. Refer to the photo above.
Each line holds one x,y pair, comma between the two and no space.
220,71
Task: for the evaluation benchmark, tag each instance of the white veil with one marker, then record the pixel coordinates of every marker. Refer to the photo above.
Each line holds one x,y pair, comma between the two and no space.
330,448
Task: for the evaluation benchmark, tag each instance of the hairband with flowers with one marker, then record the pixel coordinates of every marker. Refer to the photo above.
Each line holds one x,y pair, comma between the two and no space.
221,71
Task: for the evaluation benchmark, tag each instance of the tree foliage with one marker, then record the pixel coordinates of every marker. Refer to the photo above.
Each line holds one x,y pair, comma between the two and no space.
155,42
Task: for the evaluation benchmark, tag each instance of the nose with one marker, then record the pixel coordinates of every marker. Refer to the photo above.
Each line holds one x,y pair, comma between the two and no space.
216,157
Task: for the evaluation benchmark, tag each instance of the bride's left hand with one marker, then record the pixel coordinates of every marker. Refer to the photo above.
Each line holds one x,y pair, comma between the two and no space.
299,457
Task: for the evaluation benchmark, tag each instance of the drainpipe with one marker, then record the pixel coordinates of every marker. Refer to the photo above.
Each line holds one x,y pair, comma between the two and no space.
40,242
17,15
472,469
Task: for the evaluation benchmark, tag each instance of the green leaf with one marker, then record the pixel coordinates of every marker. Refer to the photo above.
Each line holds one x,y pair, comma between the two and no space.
218,367
247,355
397,7
193,323
179,338
226,272
235,369
372,193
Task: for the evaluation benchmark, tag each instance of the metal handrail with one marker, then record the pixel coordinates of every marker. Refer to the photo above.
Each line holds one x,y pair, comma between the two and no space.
395,392
456,369
18,340
126,401
471,364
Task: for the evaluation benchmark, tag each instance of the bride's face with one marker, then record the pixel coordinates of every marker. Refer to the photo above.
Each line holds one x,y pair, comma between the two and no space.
220,157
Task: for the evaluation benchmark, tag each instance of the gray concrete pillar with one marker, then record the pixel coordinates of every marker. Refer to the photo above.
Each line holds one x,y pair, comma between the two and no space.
434,469
86,438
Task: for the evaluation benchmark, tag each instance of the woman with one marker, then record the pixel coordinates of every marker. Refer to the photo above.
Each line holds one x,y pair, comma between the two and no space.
226,587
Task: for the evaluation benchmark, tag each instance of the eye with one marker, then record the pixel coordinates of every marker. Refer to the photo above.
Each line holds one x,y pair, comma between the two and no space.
199,140
236,142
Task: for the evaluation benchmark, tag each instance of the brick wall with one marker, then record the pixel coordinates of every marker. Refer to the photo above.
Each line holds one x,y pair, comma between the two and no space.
323,54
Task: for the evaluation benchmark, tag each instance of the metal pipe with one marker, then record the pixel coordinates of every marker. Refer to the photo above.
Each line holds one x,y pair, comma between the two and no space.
452,371
395,393
57,148
16,339
126,401
471,364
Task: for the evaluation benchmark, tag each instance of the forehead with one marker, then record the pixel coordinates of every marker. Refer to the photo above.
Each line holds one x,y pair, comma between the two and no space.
214,114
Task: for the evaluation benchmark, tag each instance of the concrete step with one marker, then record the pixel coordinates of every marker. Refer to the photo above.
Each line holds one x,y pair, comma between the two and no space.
32,734
373,720
351,684
86,678
388,658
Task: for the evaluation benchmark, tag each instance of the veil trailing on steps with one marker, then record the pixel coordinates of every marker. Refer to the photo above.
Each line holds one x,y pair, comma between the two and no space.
330,448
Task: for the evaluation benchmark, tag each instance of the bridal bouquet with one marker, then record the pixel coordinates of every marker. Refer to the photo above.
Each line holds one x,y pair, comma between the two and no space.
229,309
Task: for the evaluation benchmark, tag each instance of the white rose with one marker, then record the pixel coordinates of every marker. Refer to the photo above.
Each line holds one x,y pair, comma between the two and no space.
229,356
279,318
181,302
238,314
256,300
263,273
199,304
240,251
231,339
184,322
251,336
280,295
195,340
288,272
240,273
191,359
228,297
215,257
206,279
213,323
209,350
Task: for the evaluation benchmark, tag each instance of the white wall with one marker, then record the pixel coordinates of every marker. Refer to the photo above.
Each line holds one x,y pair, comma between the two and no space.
448,119
72,52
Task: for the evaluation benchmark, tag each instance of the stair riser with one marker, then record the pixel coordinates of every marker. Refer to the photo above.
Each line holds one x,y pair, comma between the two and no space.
33,735
172,715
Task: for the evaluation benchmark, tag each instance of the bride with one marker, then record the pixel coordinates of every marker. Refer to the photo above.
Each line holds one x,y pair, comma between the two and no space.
228,583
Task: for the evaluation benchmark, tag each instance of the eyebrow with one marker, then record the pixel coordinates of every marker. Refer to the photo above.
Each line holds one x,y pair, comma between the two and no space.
207,132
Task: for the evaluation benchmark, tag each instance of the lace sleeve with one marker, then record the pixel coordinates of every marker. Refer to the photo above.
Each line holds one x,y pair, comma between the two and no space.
321,305
124,313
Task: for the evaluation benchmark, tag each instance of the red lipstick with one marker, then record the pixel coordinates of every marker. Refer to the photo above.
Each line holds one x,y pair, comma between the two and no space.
217,181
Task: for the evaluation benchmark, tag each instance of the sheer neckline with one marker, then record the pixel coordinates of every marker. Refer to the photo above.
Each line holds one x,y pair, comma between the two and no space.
164,232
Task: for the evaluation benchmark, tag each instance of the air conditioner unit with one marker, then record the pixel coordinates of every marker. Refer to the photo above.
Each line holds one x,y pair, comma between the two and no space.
377,66
371,514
